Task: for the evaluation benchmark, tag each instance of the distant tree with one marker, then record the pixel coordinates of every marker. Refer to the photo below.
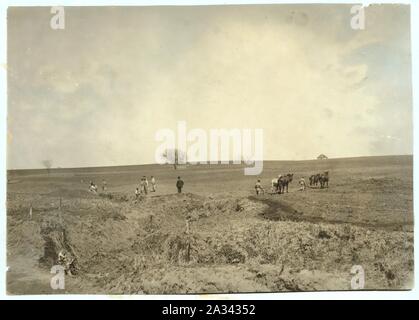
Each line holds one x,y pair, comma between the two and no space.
175,157
47,164
322,157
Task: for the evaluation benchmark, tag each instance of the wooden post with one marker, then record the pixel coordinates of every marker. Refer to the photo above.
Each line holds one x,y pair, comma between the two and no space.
30,212
60,213
188,252
188,237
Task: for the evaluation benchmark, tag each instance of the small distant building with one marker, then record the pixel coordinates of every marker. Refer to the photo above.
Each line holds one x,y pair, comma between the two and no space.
322,157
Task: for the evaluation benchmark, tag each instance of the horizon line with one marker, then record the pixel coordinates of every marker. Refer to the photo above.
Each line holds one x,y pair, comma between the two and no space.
208,162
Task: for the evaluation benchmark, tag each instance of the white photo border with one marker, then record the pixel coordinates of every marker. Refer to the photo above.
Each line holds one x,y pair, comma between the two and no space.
329,295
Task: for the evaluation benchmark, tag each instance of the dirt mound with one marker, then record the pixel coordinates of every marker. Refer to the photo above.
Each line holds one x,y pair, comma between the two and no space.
189,243
278,210
71,194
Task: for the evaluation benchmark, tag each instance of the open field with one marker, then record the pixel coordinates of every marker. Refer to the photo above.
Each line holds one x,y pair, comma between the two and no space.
217,236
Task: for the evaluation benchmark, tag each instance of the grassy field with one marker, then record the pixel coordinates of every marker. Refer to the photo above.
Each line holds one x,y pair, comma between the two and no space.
217,236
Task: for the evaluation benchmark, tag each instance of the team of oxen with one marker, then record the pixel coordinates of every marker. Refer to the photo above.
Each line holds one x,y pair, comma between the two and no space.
280,184
321,179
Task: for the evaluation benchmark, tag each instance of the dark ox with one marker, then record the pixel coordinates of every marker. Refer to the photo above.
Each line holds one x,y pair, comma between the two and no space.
281,184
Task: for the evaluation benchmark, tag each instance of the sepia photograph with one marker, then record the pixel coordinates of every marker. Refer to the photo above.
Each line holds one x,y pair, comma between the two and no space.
209,149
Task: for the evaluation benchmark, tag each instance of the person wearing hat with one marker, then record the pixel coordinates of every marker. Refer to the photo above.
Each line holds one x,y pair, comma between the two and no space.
278,184
259,188
179,185
146,184
104,185
153,184
302,184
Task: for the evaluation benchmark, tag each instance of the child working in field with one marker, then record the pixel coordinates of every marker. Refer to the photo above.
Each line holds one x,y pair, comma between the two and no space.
258,187
153,184
144,185
92,187
302,184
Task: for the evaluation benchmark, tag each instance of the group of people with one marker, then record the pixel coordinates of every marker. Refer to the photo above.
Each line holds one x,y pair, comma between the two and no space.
145,185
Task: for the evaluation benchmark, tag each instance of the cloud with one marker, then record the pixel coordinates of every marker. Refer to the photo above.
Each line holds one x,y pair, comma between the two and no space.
96,93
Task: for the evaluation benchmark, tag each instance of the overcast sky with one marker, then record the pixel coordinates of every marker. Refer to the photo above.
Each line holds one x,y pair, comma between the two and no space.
96,92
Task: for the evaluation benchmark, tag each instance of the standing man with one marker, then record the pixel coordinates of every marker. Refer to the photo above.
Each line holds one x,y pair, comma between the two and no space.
153,184
146,184
279,183
143,185
179,185
103,185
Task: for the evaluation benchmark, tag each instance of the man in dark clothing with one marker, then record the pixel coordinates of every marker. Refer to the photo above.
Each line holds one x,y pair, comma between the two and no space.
179,185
